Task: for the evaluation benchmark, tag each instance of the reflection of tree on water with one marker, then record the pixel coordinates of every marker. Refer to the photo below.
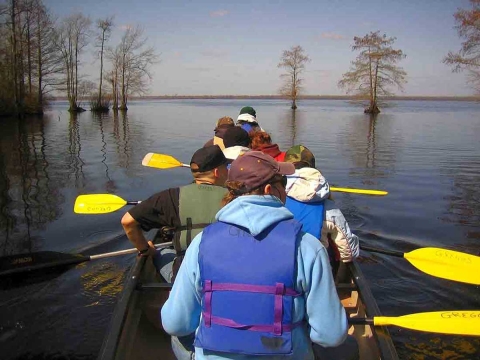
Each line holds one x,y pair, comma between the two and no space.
464,199
110,186
372,148
289,125
74,150
371,144
26,199
7,220
121,134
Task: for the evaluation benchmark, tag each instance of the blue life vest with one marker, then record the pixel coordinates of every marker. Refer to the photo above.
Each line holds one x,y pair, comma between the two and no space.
248,289
310,215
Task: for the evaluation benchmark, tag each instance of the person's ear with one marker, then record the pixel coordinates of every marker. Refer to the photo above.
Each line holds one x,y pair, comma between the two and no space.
215,172
268,189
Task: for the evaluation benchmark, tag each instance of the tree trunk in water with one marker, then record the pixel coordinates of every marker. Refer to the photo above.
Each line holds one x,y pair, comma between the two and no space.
123,105
294,104
14,57
101,71
39,66
372,109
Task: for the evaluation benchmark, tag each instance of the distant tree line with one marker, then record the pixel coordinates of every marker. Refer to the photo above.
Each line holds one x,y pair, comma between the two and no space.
40,54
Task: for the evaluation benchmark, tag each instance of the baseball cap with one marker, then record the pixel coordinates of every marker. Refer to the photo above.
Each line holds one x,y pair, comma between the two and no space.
254,169
300,155
234,136
208,158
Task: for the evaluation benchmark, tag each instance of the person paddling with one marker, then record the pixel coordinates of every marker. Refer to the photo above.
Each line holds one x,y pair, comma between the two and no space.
253,284
308,199
186,209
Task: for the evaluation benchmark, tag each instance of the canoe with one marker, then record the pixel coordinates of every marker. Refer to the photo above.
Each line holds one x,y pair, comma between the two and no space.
135,330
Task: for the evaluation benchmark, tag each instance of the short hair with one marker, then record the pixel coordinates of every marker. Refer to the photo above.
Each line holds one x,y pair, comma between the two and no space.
225,121
259,139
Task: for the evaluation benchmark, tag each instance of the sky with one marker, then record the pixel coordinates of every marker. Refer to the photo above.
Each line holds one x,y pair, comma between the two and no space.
232,48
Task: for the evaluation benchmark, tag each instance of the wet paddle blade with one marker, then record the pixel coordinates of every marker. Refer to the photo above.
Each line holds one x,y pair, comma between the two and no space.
161,161
447,264
360,191
22,263
98,204
442,322
16,264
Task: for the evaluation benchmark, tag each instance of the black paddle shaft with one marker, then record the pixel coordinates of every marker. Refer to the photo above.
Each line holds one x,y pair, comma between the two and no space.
15,264
380,251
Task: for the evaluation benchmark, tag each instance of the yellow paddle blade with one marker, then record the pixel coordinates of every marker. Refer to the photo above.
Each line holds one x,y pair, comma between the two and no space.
447,264
161,161
360,191
98,204
442,322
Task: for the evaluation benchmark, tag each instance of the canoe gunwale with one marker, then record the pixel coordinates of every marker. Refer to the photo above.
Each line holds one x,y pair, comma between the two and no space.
113,334
385,342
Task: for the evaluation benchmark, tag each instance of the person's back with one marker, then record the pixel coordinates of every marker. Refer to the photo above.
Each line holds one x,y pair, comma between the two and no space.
185,210
255,250
308,198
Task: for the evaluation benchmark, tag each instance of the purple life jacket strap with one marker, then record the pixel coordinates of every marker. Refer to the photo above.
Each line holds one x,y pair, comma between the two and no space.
278,290
261,328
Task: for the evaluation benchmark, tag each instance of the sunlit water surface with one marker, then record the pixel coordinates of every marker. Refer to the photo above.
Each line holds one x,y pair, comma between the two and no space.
426,154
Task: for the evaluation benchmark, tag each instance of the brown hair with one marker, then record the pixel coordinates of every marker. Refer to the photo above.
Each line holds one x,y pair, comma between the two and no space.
235,189
225,121
260,139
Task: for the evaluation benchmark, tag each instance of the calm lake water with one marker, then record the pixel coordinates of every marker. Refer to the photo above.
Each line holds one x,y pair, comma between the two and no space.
426,154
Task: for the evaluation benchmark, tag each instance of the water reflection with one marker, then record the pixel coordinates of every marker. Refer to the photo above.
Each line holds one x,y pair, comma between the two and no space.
26,198
372,156
100,119
290,124
75,161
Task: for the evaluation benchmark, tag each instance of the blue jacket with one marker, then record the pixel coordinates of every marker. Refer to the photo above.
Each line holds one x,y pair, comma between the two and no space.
309,186
319,306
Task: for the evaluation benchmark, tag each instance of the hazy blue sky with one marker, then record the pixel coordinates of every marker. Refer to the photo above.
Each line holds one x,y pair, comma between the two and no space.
218,47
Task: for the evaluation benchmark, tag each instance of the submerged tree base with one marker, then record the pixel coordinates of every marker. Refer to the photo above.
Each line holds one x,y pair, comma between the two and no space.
100,109
372,110
100,105
76,109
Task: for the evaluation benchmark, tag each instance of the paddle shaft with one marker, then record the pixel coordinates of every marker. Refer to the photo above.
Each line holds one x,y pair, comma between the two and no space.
380,251
125,252
23,263
360,321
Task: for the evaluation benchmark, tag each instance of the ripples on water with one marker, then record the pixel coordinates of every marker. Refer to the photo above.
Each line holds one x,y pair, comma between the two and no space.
426,154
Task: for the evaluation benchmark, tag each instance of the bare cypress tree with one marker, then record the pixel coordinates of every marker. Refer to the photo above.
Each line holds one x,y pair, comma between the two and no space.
49,64
71,40
468,58
293,61
112,76
134,64
28,59
374,71
105,27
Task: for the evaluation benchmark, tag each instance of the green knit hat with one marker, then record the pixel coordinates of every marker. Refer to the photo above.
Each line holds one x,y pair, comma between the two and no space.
248,110
300,156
